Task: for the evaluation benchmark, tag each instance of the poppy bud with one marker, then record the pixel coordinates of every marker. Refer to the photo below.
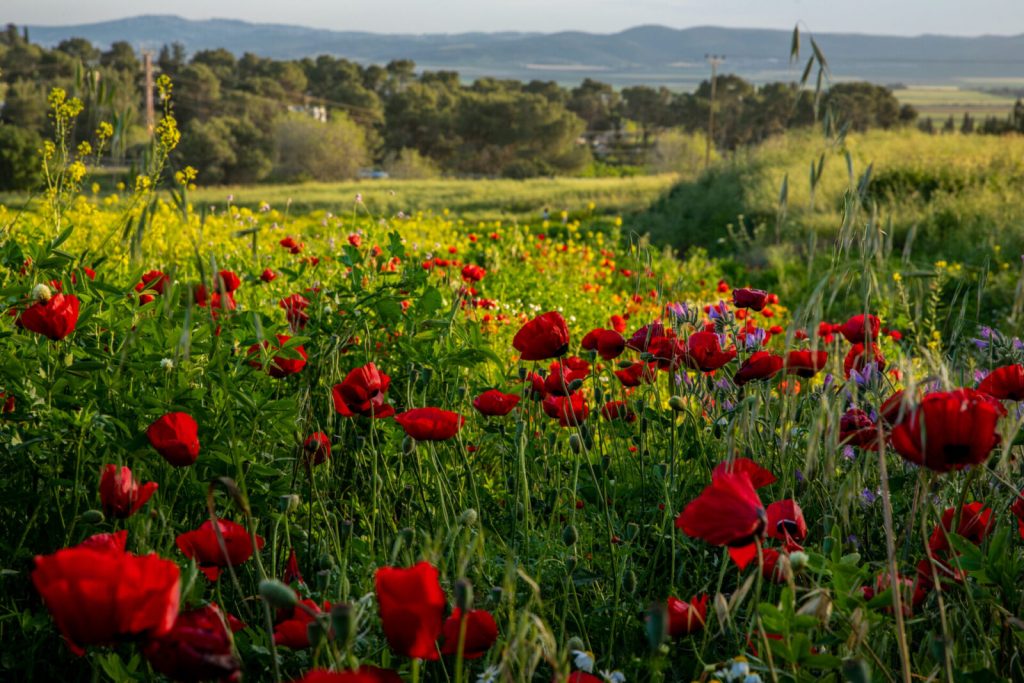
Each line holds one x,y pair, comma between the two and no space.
408,445
343,623
677,403
326,561
798,560
92,517
41,293
315,633
629,581
289,503
575,384
469,517
575,443
464,595
646,356
278,595
570,535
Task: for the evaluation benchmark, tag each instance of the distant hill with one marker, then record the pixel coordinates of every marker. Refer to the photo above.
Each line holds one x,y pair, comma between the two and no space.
645,54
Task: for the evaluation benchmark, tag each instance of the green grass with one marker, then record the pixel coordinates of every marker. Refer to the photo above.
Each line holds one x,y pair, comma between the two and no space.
471,200
940,102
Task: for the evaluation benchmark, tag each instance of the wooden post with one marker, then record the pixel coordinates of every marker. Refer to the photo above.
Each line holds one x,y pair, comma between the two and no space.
714,61
147,66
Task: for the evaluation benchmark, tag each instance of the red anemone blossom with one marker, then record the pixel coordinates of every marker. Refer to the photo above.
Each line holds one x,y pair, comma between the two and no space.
759,476
761,365
293,632
544,337
364,674
98,594
155,280
412,608
430,424
363,393
120,495
856,428
175,436
641,339
617,410
806,363
570,411
754,299
687,618
1005,383
727,512
704,352
637,373
495,403
199,647
608,344
949,430
975,525
54,318
481,633
202,546
786,521
860,329
317,447
227,281
284,361
860,356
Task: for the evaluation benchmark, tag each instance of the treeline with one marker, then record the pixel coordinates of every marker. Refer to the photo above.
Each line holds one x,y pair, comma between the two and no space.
989,125
251,119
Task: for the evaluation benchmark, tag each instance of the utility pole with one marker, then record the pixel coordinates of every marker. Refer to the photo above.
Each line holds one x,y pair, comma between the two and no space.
147,66
714,61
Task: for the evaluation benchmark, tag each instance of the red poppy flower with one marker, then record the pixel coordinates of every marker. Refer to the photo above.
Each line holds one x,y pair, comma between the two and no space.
291,245
412,608
546,336
687,618
289,362
608,344
175,436
562,375
120,495
535,389
227,281
636,374
198,647
268,275
291,570
759,366
1005,383
759,476
949,430
618,323
570,411
54,318
728,512
806,363
669,352
975,525
754,299
98,595
364,674
786,521
293,632
617,410
704,352
495,403
859,329
641,339
295,311
771,570
7,402
154,280
856,428
430,424
860,356
473,273
1018,511
202,546
892,410
115,542
317,447
362,393
481,633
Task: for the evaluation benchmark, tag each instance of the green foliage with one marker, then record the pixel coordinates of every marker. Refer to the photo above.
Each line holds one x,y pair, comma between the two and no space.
307,149
20,167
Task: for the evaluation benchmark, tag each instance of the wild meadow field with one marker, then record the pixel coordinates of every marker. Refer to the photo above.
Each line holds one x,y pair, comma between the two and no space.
370,438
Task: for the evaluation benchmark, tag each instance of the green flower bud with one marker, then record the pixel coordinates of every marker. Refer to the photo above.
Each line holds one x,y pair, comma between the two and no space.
570,535
677,403
92,517
278,595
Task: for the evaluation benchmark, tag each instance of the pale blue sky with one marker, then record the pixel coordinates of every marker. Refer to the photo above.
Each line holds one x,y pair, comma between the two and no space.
899,17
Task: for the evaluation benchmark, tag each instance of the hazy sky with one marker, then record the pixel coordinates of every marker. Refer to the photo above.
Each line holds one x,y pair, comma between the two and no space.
902,17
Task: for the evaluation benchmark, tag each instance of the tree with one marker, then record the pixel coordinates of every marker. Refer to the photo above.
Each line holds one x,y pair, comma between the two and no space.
120,57
19,158
307,149
81,50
